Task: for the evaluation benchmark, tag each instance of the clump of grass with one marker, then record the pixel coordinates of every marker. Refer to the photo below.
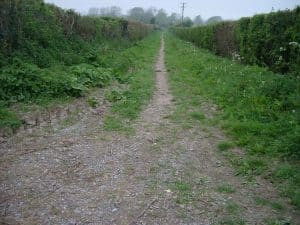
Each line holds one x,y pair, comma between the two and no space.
232,208
266,202
113,124
251,166
197,115
271,221
9,119
232,221
225,145
184,192
114,95
225,188
92,102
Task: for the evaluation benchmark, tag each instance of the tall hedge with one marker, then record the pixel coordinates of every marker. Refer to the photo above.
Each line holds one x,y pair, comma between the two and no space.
26,25
271,40
47,52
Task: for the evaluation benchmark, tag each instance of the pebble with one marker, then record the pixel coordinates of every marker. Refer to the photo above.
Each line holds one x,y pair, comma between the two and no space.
114,210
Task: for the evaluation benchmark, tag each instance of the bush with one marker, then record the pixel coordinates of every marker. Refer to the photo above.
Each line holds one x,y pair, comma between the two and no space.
271,40
51,52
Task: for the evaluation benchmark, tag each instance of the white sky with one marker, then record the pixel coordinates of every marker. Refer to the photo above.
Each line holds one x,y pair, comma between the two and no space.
228,9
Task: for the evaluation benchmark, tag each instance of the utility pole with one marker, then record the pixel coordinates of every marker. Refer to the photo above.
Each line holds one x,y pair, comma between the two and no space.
183,4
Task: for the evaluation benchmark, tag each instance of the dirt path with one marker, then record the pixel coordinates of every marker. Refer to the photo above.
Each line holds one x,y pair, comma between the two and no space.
163,174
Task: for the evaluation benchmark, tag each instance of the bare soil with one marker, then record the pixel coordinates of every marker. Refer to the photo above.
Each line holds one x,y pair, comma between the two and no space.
163,174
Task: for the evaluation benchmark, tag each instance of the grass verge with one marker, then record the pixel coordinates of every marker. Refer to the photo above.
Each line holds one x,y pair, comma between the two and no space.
138,85
258,109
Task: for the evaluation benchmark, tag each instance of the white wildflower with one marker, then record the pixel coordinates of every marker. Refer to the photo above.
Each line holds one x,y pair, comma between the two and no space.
294,43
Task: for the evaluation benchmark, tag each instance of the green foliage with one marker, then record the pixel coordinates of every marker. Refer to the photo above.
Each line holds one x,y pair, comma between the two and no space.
200,36
47,52
24,82
8,119
127,103
225,145
115,95
271,40
231,221
225,188
260,109
184,192
197,115
92,102
274,205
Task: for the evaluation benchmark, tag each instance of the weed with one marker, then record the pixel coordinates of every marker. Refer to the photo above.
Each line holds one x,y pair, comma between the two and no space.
197,115
9,119
93,102
112,123
266,202
232,221
184,192
225,145
232,208
278,222
225,188
114,95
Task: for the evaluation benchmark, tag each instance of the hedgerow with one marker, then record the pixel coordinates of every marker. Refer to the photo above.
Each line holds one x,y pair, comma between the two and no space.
271,40
48,52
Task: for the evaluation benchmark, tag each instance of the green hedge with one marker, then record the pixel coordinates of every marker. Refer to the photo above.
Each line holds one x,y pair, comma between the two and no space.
43,32
46,51
271,40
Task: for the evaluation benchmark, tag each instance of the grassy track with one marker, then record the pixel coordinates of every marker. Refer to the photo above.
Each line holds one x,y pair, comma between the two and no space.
257,108
128,100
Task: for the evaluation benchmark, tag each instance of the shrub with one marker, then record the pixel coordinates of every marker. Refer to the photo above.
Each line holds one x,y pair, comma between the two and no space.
51,52
271,40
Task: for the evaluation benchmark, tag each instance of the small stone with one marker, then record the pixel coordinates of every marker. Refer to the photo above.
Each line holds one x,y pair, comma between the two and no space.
114,210
72,222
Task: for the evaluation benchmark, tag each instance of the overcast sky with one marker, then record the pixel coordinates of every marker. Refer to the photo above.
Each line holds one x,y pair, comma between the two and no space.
228,9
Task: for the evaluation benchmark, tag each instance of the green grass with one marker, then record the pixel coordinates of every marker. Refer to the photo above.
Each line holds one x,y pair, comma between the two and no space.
92,102
184,192
232,221
225,188
9,119
266,202
197,115
225,145
258,110
232,208
271,221
128,103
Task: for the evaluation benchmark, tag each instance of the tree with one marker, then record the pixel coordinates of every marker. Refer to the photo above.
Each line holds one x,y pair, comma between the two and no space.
214,20
152,21
113,11
161,18
93,12
198,21
174,19
187,22
137,13
149,16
